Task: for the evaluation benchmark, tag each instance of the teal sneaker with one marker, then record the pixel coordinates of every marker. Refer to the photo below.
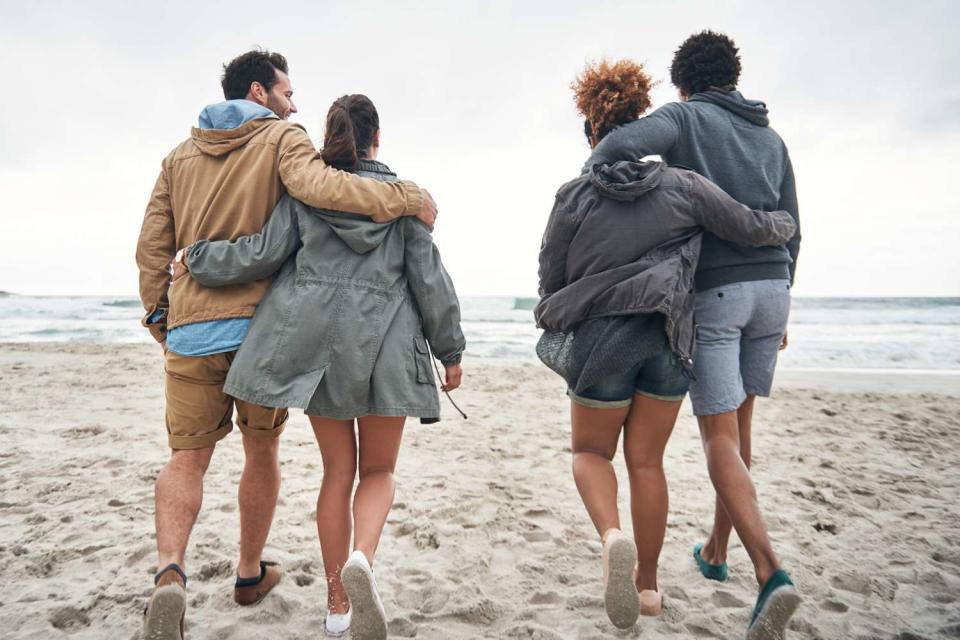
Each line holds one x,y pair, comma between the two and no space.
777,602
716,572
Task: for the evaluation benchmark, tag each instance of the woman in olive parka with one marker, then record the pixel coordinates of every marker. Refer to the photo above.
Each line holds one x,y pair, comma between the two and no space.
345,333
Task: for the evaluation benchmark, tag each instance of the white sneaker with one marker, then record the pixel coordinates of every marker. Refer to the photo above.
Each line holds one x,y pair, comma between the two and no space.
338,624
369,619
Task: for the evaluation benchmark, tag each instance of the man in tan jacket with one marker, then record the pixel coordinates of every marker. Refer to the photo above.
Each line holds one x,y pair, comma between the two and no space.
222,183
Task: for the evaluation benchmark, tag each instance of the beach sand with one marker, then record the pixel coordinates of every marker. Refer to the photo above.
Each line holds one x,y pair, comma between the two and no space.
488,538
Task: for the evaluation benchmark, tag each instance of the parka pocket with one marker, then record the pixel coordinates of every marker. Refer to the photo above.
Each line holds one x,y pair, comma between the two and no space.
421,356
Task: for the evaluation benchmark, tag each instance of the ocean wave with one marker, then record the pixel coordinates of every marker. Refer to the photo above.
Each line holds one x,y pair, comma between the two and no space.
525,304
126,304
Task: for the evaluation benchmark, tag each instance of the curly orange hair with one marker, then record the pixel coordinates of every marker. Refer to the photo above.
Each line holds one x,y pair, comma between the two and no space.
610,94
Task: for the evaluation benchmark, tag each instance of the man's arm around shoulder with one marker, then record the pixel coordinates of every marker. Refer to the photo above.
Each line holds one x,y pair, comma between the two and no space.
308,179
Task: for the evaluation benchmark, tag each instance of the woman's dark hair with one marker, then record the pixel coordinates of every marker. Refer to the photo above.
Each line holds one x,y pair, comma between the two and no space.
352,123
253,66
610,94
706,59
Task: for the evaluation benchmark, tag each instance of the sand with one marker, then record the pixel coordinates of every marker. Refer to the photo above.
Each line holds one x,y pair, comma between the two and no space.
488,538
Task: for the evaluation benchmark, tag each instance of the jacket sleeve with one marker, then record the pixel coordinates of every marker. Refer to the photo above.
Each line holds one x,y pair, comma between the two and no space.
308,179
788,202
720,214
156,247
247,258
561,228
653,135
433,293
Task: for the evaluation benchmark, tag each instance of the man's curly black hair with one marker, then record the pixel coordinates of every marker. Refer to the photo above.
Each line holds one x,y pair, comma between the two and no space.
253,66
706,59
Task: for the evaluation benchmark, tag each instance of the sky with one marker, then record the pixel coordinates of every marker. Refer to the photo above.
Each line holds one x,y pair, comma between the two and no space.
475,105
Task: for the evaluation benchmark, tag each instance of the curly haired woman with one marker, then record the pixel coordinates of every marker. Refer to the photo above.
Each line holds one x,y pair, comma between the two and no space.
617,264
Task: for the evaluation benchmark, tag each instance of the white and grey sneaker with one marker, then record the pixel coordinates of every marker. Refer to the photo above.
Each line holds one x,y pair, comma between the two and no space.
338,624
369,619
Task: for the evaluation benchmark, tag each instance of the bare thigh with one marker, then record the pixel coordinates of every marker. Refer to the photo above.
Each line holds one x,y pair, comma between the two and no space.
380,438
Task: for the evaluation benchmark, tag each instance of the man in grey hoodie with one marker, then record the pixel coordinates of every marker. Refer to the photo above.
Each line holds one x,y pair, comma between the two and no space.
743,293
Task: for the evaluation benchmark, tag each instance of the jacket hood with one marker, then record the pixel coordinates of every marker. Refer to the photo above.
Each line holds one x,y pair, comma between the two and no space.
360,233
753,111
626,180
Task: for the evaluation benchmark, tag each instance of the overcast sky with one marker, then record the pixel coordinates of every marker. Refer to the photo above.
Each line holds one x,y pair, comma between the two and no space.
475,105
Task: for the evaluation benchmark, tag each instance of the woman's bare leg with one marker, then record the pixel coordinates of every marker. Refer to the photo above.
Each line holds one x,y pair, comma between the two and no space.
380,438
338,449
595,433
648,428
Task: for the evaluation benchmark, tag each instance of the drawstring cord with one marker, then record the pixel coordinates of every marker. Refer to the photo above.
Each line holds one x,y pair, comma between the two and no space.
439,376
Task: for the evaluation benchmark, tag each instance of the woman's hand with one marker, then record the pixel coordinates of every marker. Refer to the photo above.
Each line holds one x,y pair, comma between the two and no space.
454,373
784,343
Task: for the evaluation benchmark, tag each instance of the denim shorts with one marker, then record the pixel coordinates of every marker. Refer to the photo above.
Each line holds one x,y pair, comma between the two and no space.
739,330
660,377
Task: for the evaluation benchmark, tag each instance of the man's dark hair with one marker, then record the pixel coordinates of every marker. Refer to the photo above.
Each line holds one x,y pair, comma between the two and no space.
253,66
706,59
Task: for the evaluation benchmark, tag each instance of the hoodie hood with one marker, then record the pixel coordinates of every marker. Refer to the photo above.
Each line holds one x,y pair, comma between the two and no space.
231,114
626,180
753,111
360,233
226,126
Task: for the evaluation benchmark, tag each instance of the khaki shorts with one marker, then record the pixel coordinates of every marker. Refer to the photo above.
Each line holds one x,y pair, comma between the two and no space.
199,412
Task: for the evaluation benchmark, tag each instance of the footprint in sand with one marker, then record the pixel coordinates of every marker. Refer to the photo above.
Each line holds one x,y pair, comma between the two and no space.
726,600
68,618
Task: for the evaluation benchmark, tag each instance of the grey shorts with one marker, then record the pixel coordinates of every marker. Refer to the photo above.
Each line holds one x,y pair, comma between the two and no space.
739,330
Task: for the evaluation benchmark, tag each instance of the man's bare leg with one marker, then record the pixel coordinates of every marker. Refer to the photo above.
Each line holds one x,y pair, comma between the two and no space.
734,486
259,489
715,549
178,494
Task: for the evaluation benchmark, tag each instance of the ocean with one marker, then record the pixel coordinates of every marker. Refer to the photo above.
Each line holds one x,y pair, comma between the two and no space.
825,333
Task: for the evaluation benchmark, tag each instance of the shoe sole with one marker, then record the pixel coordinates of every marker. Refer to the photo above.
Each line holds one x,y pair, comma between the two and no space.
167,607
772,622
368,622
621,599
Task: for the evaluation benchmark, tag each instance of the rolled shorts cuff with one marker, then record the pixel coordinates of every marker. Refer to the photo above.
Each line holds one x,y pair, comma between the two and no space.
200,441
665,398
273,432
716,407
599,404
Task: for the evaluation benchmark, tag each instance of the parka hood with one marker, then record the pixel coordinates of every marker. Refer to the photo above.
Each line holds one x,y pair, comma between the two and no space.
626,180
753,111
360,233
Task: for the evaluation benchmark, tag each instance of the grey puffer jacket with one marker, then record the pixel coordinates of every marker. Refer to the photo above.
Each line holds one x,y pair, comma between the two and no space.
625,239
343,330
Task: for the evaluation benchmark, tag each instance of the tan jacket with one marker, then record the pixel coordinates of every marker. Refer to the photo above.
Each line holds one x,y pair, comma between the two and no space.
223,183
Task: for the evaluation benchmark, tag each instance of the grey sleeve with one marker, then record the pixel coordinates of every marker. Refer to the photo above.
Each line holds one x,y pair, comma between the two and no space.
433,292
220,263
562,226
788,202
652,135
720,214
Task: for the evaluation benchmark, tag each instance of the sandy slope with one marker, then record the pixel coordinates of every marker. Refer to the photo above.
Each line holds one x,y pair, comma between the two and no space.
488,538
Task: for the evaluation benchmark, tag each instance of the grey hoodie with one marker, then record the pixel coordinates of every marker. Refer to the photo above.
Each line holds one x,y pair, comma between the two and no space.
724,137
343,330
